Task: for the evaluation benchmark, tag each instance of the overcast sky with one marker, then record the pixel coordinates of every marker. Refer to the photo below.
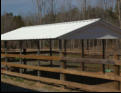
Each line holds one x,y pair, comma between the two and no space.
21,7
17,6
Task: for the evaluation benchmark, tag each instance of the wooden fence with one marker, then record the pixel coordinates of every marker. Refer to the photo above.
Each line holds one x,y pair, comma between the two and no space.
115,76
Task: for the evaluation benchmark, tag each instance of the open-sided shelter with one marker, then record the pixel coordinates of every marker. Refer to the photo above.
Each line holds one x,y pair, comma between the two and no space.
93,29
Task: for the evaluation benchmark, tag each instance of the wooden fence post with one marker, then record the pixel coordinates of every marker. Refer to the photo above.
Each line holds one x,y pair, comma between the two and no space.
62,64
38,53
24,60
6,59
21,60
103,54
65,52
50,45
82,50
5,46
117,73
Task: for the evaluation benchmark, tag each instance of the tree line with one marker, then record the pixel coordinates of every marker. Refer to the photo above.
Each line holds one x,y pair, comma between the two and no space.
109,10
47,12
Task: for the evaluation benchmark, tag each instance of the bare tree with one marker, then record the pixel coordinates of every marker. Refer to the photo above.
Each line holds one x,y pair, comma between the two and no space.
52,10
85,8
40,4
119,11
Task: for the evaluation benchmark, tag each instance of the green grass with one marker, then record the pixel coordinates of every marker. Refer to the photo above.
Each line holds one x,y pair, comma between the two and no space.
17,59
13,78
4,76
19,79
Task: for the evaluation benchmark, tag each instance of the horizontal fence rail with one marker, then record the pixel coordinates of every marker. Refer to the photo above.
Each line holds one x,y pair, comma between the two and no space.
54,58
116,76
57,50
58,58
66,71
84,87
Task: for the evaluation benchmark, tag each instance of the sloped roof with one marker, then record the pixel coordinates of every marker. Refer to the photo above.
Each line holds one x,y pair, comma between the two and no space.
55,31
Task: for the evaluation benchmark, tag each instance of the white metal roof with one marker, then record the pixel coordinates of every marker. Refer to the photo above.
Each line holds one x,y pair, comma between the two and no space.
84,29
48,31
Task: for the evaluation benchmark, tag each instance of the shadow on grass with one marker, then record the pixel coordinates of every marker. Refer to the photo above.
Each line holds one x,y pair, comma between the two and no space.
72,78
10,88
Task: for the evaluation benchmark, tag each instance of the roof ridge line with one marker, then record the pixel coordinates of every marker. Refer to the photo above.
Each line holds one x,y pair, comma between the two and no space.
64,22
